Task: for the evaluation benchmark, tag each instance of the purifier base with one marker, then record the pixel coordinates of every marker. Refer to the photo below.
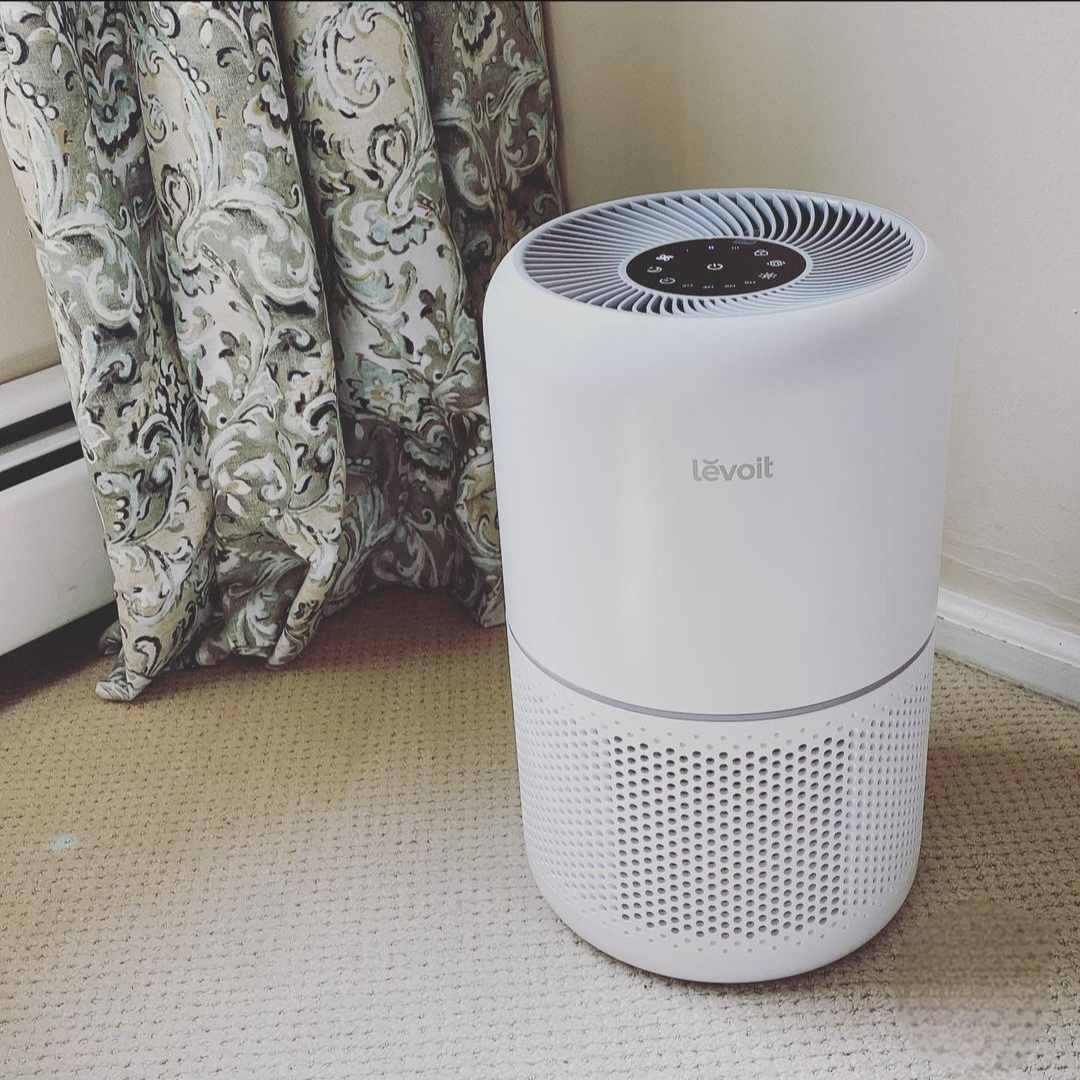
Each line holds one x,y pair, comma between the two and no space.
723,851
697,964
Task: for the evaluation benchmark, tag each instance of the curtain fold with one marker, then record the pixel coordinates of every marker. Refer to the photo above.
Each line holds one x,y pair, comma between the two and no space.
265,233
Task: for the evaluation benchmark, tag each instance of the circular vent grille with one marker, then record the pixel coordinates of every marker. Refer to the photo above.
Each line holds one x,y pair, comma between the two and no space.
849,246
736,836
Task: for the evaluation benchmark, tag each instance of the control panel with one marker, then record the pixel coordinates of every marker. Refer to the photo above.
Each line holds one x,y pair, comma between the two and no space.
716,266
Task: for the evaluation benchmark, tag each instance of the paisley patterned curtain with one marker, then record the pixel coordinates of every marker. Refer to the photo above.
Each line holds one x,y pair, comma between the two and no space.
265,231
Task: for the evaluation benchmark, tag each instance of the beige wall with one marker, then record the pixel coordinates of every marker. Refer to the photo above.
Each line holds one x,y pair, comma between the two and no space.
26,337
961,116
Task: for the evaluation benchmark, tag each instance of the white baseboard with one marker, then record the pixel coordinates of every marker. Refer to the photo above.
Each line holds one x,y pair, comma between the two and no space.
54,567
52,559
1015,647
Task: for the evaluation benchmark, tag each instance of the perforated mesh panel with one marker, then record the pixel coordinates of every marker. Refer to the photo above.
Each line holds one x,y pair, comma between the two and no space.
734,835
851,246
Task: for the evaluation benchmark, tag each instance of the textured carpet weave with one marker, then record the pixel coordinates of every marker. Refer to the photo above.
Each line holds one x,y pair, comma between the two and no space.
319,873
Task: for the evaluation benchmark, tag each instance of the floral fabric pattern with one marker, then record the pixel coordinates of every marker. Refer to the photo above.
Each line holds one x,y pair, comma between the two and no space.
265,233
490,97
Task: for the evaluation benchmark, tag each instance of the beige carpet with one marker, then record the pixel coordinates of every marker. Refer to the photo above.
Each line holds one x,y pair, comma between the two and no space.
318,873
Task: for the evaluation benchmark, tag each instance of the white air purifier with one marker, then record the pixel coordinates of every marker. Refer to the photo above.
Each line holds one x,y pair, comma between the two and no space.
721,423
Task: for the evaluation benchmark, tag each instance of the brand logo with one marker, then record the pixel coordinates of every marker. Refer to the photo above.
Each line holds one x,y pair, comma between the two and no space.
712,470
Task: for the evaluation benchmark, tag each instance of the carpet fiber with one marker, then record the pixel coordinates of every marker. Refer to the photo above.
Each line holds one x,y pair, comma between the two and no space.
318,873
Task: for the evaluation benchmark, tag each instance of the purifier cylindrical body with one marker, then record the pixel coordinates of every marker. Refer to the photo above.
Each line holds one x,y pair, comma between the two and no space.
721,427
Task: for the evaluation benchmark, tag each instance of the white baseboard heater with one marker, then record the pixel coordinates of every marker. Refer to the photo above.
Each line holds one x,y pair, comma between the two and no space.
52,559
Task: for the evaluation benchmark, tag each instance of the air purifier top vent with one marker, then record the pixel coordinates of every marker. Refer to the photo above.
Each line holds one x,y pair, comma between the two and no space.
729,252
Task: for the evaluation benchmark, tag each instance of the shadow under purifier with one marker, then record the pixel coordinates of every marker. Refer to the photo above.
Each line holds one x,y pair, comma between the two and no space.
720,422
